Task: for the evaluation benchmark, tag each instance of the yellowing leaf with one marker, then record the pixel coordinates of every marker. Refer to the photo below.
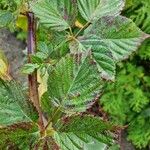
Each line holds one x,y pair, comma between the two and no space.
22,22
3,67
78,24
42,83
23,7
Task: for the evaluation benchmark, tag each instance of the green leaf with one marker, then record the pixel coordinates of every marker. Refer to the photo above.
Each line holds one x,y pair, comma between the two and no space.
139,132
46,143
85,123
104,60
46,105
72,133
120,34
138,11
22,136
139,100
14,106
5,18
92,10
99,53
45,49
71,141
73,85
82,132
111,40
146,113
56,14
29,68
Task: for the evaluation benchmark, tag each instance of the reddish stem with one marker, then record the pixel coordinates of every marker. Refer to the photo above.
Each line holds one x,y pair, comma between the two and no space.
32,78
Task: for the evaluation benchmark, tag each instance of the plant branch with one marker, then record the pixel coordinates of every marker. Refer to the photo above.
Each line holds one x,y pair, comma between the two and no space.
32,78
84,27
70,31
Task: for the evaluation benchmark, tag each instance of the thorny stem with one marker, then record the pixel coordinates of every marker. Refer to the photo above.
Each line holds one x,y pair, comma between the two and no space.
32,78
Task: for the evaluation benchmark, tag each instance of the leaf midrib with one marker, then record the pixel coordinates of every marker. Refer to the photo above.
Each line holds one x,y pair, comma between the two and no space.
76,75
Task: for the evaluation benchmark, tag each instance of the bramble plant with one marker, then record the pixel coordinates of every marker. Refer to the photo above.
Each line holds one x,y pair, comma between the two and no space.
74,45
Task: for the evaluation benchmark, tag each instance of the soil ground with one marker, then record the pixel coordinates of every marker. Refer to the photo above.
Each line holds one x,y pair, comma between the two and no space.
13,50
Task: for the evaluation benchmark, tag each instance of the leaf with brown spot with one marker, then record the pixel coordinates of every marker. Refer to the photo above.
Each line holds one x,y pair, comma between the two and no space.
56,14
21,136
73,85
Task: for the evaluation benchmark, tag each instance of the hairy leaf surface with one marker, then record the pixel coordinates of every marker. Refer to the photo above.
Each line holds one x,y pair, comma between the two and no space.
14,106
85,123
120,34
71,141
74,84
82,132
101,57
104,61
22,136
120,38
92,10
57,14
